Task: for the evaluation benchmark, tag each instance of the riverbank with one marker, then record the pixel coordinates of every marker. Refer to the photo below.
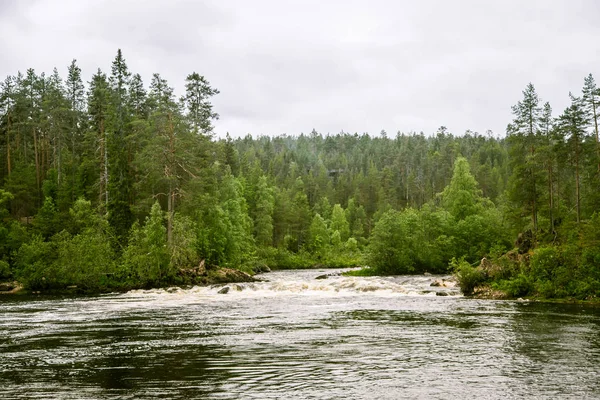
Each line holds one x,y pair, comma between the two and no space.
199,276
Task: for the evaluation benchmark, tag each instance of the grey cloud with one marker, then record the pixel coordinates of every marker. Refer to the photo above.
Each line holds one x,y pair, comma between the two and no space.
290,66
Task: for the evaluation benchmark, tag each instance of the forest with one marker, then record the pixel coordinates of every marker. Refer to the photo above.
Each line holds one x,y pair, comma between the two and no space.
112,185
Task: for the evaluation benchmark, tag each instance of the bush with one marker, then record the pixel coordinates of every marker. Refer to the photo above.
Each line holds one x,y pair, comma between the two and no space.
468,277
521,285
85,260
544,263
147,257
36,268
4,270
276,258
390,249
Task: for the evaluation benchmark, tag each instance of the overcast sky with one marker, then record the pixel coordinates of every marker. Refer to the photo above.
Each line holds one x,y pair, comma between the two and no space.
357,66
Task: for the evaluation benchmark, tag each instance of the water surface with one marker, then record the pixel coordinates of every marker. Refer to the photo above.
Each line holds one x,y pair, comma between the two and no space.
296,337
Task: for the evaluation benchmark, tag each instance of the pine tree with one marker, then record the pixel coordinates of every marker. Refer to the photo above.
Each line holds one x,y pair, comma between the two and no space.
591,101
523,141
197,100
547,155
120,215
75,93
263,220
98,107
573,124
462,197
7,104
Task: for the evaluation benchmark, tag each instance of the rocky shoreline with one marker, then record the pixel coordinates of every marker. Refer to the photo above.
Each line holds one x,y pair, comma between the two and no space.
199,276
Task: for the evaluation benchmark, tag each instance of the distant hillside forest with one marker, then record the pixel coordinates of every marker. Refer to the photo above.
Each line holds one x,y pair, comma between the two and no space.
114,184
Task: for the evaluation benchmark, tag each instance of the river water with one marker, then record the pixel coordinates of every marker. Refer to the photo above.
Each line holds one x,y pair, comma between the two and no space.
296,337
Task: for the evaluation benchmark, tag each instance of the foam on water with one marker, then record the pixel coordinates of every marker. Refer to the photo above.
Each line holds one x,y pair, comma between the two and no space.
297,337
305,283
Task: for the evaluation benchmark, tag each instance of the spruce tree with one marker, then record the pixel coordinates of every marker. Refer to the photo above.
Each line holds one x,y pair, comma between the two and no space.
591,103
573,124
75,93
523,135
120,215
98,101
197,100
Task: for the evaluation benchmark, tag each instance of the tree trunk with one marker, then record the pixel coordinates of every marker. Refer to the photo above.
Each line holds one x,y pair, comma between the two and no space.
534,197
103,190
37,164
577,190
59,161
73,164
8,145
170,212
170,172
105,164
551,196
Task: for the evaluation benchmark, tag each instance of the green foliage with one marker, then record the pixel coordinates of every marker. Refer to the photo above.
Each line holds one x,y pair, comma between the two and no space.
519,286
278,258
462,197
47,220
85,260
468,277
410,203
147,257
318,235
5,272
224,235
390,250
183,249
544,263
263,216
340,223
36,268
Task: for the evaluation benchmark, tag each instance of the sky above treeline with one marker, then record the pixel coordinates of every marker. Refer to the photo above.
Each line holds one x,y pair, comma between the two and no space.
286,67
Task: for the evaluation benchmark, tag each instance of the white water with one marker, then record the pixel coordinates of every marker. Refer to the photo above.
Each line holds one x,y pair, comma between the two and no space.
304,282
296,337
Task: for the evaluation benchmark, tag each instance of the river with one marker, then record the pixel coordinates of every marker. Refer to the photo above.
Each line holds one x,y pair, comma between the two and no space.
296,337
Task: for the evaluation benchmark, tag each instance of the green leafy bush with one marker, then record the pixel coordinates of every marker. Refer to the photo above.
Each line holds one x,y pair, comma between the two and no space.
519,286
5,272
468,277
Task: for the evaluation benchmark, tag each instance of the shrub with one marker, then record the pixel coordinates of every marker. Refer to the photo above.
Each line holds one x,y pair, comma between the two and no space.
4,270
468,277
545,262
521,285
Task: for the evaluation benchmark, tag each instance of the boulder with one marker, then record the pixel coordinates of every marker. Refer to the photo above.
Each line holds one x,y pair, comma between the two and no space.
229,275
225,290
10,287
261,268
441,293
324,276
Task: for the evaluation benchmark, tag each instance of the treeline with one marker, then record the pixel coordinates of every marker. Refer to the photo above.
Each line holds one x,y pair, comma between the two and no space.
118,184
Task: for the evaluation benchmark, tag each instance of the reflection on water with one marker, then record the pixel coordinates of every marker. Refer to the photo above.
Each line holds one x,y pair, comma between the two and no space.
299,338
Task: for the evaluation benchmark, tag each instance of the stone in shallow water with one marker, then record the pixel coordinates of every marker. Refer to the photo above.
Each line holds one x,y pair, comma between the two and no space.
225,290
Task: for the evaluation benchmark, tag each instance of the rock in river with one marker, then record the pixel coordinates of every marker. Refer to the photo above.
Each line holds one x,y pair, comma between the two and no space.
225,290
